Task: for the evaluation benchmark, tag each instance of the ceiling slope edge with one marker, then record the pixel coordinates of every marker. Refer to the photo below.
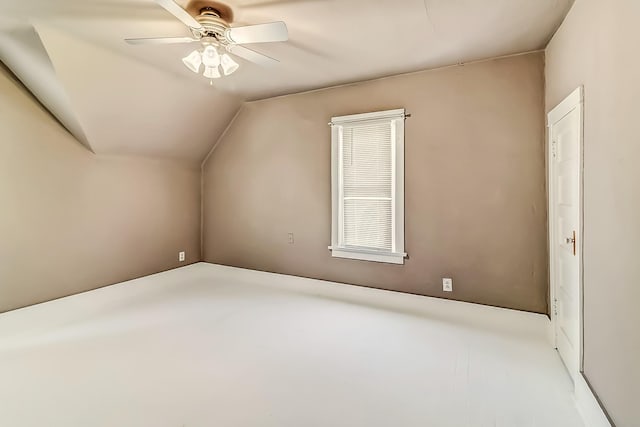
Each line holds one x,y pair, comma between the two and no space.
23,52
204,161
348,83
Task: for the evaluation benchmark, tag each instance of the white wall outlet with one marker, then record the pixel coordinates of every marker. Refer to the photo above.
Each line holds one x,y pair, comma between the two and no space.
290,238
447,285
181,256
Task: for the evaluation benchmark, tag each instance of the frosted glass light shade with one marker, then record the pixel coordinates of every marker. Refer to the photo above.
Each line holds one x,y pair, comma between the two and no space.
228,65
193,61
210,57
212,72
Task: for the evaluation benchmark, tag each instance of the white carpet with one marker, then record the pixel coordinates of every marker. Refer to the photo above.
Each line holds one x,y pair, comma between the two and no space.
207,346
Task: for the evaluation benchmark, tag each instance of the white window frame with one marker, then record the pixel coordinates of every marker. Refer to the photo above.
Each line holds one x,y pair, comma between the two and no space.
397,255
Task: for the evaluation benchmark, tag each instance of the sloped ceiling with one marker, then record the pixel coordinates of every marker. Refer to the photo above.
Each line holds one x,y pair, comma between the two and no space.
141,100
132,108
23,52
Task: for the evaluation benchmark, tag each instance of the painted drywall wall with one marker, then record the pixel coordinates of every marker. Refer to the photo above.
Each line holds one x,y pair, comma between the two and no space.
71,221
597,46
475,184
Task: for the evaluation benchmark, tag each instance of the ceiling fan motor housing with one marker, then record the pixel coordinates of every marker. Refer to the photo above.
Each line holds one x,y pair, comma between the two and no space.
197,7
213,21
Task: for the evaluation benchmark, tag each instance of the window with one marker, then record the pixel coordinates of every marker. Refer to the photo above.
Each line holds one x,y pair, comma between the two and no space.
367,186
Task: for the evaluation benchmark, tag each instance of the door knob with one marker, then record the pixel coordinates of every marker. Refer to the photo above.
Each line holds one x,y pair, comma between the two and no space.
572,241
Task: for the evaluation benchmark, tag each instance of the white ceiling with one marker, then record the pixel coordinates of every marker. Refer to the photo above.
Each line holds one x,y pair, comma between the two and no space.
142,100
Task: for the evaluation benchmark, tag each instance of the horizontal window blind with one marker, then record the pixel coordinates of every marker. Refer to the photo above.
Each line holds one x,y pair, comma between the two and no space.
367,185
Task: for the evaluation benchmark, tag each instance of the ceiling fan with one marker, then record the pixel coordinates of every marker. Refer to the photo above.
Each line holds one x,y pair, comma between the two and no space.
209,22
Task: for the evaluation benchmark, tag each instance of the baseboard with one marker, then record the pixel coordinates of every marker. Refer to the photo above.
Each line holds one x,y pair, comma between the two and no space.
592,413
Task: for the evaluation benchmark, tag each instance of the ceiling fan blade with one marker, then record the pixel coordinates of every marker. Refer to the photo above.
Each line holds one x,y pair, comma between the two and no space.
175,9
252,55
161,40
261,33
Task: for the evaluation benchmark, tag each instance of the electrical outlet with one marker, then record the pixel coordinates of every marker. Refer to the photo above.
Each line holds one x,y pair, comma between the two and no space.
181,256
290,237
447,285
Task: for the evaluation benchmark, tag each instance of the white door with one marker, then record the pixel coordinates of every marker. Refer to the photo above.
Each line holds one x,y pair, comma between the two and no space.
565,176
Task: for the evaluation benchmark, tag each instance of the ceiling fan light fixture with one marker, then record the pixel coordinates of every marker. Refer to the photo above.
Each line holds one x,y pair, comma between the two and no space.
193,61
229,66
212,73
210,56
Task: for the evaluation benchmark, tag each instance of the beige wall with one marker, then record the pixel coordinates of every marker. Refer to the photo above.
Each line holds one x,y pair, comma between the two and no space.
475,184
71,221
597,46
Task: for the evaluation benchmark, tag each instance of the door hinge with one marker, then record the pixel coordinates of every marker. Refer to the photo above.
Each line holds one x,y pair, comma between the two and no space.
555,306
554,149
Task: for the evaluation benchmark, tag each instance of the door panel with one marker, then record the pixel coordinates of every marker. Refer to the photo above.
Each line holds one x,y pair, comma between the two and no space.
565,191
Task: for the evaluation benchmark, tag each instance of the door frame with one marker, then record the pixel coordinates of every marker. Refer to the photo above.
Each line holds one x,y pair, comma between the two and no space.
574,101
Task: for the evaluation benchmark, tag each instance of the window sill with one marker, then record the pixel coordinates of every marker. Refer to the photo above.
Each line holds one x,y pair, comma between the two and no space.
368,255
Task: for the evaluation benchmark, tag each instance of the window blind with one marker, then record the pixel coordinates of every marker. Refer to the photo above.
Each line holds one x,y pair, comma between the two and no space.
367,185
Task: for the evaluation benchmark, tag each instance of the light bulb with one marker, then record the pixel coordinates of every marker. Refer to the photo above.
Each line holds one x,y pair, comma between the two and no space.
228,65
210,57
211,72
193,61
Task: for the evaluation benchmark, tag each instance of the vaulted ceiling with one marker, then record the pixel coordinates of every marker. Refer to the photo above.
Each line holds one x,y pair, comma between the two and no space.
141,100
